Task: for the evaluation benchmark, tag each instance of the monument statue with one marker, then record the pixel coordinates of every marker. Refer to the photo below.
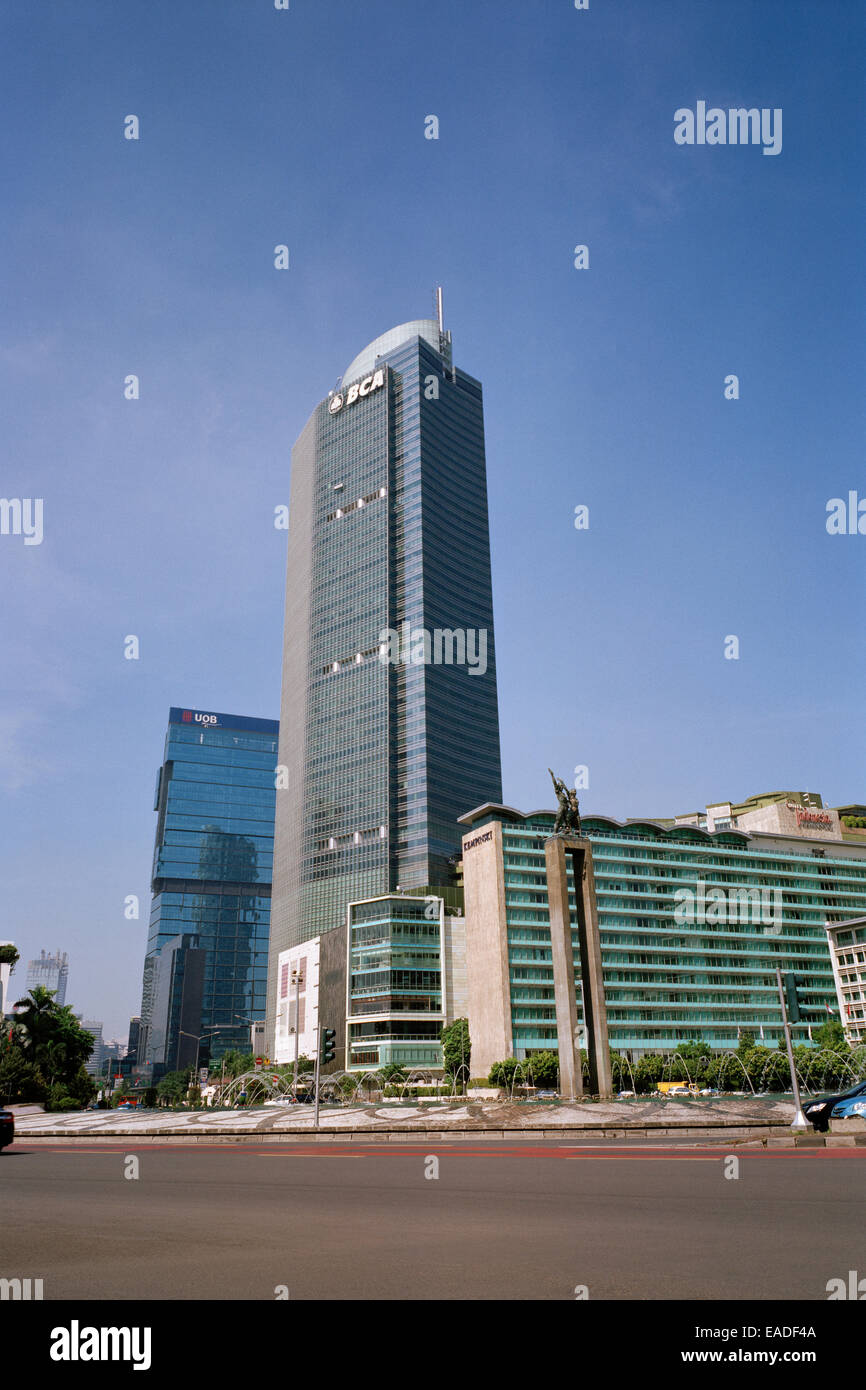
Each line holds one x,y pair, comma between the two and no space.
568,815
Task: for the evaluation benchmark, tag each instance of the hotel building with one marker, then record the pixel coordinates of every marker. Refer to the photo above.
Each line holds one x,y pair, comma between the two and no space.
693,924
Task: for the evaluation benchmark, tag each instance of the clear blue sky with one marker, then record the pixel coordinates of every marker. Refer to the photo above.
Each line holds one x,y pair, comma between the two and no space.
602,387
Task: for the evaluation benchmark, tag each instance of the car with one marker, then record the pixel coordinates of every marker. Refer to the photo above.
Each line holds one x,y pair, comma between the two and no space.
850,1109
819,1112
7,1127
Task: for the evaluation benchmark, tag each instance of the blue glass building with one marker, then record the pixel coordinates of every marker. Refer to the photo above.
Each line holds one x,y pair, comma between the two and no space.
207,949
384,743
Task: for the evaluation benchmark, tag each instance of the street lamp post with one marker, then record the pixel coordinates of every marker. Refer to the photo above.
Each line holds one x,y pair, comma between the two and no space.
241,1019
799,1123
198,1037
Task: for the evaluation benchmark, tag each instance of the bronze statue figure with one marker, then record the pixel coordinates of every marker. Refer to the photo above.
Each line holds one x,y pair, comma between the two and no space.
568,815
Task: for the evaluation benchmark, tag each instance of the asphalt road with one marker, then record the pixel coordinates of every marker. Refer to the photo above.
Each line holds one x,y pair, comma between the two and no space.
362,1221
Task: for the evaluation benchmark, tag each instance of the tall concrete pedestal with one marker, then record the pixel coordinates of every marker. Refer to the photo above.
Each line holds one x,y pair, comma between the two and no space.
595,1008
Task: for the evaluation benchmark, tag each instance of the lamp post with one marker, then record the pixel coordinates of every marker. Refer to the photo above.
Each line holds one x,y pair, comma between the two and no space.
240,1019
198,1037
799,1123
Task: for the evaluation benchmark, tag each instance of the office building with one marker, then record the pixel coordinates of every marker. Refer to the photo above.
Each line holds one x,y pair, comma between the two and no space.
93,1065
389,719
51,972
387,982
176,1028
692,922
205,969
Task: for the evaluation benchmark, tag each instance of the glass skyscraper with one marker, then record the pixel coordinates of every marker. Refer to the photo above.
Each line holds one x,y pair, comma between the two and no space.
389,717
205,971
51,972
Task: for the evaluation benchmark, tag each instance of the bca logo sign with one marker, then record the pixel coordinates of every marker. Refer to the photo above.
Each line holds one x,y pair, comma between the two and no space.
361,388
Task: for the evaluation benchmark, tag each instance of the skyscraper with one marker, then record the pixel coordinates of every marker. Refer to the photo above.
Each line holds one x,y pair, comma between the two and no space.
389,719
205,969
52,972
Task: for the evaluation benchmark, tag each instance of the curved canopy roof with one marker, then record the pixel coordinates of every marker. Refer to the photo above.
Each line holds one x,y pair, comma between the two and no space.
387,342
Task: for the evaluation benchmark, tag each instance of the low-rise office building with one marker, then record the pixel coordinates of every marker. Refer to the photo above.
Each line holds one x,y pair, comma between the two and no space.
848,956
387,981
693,924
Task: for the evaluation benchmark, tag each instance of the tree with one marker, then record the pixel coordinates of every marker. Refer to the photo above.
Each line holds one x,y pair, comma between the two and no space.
648,1072
831,1034
456,1050
9,955
696,1048
542,1069
173,1087
19,1079
393,1073
502,1073
52,1040
746,1043
235,1063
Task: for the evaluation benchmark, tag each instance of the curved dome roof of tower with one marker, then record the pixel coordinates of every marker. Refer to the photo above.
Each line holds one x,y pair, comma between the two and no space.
387,342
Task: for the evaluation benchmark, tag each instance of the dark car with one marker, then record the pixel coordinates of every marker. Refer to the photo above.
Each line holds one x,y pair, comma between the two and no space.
818,1112
7,1127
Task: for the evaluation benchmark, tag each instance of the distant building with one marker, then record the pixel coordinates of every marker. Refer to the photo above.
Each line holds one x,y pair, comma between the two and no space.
52,972
134,1038
257,1038
177,1037
94,1063
772,813
848,955
205,969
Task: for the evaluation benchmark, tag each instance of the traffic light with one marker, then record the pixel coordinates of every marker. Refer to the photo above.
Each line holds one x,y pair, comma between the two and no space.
329,1044
789,980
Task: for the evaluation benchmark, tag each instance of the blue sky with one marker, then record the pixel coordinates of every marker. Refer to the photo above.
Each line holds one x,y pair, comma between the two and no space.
602,387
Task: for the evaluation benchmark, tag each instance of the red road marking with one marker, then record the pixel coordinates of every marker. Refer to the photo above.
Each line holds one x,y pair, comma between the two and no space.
494,1149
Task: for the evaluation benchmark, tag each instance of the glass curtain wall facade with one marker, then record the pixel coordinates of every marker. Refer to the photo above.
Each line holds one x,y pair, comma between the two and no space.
669,980
51,972
396,1009
388,534
212,871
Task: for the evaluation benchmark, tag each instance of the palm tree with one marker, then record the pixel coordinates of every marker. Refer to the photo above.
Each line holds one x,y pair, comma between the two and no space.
36,1014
